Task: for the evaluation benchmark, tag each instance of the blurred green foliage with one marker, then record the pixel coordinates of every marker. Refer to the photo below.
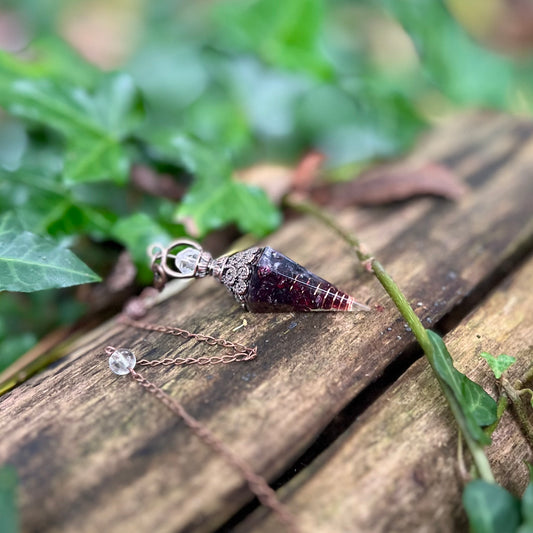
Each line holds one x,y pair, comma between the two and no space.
196,90
492,509
9,518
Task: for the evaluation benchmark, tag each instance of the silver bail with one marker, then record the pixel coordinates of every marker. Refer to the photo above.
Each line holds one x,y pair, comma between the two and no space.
182,258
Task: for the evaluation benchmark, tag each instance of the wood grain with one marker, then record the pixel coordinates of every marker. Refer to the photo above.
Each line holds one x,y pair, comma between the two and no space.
94,452
396,468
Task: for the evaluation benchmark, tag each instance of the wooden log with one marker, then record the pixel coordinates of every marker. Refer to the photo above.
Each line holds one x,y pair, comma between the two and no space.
94,451
396,468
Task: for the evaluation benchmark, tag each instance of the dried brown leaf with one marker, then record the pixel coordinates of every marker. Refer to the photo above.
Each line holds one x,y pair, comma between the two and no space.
13,37
392,183
279,180
116,25
306,172
506,25
275,180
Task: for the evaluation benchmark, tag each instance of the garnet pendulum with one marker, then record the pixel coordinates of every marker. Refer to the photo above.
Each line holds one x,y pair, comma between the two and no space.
261,279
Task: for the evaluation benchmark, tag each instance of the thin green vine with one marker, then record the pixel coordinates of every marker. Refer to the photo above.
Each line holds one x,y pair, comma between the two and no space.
503,402
407,312
514,393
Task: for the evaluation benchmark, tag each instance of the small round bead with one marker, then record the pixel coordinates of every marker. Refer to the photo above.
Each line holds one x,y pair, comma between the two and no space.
187,260
122,361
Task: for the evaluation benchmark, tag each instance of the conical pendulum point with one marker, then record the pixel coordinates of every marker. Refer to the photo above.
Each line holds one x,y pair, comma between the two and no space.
278,283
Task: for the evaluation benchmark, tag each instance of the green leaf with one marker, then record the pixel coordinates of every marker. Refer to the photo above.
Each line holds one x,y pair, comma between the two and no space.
78,219
170,77
114,107
477,407
91,158
136,233
59,61
23,313
13,346
185,151
215,199
289,37
9,518
229,202
29,262
93,124
461,68
527,501
44,204
52,58
498,364
371,122
46,103
117,105
490,508
13,142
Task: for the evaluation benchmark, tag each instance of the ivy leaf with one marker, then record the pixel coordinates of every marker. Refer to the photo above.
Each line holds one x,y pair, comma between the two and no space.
91,158
471,74
12,347
499,364
477,407
9,519
490,508
288,37
93,124
215,198
527,505
56,60
183,150
229,202
137,232
29,262
43,204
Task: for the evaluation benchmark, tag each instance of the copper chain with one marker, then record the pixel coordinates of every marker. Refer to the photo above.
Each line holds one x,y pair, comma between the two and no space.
257,484
237,352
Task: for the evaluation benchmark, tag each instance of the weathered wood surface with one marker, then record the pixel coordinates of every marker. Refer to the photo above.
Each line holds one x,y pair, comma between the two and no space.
396,468
95,452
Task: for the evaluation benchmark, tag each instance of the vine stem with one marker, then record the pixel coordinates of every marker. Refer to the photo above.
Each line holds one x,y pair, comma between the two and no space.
407,312
525,378
514,394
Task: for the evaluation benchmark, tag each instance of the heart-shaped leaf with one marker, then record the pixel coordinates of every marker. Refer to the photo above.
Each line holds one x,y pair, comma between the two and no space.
490,508
477,407
527,503
29,262
499,364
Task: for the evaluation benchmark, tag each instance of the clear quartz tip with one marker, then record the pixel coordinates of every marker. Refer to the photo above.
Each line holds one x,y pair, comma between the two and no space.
358,306
122,361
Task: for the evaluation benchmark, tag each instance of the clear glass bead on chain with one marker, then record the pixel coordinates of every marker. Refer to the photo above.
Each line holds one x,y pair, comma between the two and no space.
121,362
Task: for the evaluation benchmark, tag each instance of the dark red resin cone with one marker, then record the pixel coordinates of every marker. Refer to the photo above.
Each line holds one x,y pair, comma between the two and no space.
278,283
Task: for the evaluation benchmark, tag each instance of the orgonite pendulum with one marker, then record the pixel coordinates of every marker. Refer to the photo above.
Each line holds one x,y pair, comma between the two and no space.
261,279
